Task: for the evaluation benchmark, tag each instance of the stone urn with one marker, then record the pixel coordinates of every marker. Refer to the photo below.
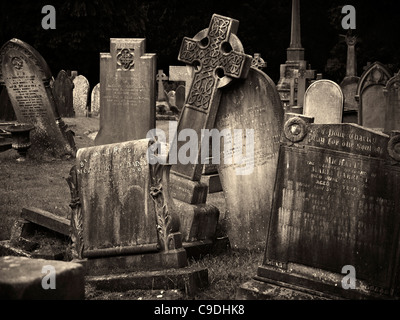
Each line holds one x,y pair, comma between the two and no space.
20,138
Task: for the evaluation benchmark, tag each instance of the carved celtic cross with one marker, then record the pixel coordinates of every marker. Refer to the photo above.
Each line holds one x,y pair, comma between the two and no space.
217,55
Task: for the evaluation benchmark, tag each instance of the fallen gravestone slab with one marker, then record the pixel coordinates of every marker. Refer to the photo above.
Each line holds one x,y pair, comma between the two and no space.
38,279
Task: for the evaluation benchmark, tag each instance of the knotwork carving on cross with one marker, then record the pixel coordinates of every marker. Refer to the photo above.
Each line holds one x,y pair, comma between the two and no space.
217,55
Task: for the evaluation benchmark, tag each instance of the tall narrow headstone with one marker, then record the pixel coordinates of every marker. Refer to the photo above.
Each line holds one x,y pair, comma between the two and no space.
323,101
27,79
95,100
392,96
127,91
251,115
335,228
63,93
370,95
299,80
350,82
81,95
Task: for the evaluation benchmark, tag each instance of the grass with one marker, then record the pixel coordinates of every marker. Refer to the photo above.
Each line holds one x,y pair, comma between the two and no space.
42,184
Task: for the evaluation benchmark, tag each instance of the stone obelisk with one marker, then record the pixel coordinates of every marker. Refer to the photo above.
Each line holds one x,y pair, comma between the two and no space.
294,74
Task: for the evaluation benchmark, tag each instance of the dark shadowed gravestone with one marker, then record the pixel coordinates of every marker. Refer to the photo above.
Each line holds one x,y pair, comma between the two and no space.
370,95
95,100
323,101
63,94
127,92
81,95
6,109
334,227
124,207
180,97
27,78
253,103
392,95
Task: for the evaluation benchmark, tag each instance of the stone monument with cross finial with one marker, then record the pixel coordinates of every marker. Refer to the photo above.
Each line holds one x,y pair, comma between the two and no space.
350,81
217,56
258,62
295,61
161,76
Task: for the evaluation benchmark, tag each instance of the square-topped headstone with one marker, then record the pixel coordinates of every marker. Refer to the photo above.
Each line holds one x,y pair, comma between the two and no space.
127,92
323,101
335,225
27,79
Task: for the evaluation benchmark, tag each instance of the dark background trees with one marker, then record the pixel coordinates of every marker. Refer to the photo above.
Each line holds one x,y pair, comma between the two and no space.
84,27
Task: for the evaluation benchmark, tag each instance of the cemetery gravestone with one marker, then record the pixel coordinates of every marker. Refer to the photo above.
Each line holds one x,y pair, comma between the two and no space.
160,78
6,109
27,77
253,103
63,94
323,101
95,100
370,95
127,92
335,205
392,95
122,206
180,97
182,73
81,95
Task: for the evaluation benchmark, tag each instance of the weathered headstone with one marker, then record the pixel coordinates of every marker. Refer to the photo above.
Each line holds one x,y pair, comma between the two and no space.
81,95
26,76
180,97
127,92
250,104
334,229
323,101
392,96
370,96
6,109
122,207
63,94
95,100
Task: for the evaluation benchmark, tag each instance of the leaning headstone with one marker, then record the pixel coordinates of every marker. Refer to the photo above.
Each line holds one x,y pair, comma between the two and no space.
334,228
252,108
6,109
127,92
122,207
371,98
323,101
95,100
63,94
81,95
392,95
26,76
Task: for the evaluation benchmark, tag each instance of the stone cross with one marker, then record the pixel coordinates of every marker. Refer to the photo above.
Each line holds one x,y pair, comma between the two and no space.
303,76
212,53
160,78
258,62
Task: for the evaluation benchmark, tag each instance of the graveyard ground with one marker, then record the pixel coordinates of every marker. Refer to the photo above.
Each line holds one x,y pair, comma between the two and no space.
41,184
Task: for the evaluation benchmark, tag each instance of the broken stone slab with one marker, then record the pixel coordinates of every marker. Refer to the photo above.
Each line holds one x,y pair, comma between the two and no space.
22,278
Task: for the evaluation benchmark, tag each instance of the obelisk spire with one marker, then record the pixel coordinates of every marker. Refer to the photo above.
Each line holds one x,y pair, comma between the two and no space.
295,52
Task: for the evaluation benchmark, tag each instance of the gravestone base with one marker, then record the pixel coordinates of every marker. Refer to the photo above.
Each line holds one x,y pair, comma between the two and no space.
321,284
188,279
198,221
153,261
261,290
21,279
185,190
